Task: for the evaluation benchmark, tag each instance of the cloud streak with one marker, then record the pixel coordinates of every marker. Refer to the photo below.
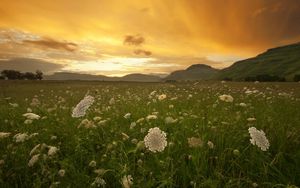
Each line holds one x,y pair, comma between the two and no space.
142,52
54,44
29,65
134,40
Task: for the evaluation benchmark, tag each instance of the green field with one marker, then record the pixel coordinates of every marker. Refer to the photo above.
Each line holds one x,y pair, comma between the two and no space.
115,142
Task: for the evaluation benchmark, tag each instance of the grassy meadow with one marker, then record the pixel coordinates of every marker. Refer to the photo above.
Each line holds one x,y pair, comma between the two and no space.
105,148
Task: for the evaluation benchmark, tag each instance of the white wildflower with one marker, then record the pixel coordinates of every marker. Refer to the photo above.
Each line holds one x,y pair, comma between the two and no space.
86,124
155,140
82,106
52,150
162,97
34,149
102,122
127,116
31,116
15,105
140,120
21,137
210,144
92,164
112,101
132,125
124,136
226,98
61,172
33,160
195,142
32,135
151,117
97,118
243,104
4,135
127,181
152,93
258,138
35,102
170,120
28,121
251,119
99,182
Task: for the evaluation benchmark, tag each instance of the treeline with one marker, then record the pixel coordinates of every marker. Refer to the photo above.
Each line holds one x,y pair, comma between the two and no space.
265,78
17,75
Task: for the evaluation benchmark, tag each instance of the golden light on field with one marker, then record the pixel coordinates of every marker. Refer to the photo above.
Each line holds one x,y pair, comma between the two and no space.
76,34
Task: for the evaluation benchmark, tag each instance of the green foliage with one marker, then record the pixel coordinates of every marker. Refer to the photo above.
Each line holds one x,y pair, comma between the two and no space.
232,162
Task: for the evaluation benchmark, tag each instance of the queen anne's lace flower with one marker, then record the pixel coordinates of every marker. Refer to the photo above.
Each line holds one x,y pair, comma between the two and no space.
31,116
127,116
21,137
52,150
226,98
93,164
258,138
195,142
82,106
4,135
155,140
162,97
33,160
170,120
152,116
34,149
61,172
127,181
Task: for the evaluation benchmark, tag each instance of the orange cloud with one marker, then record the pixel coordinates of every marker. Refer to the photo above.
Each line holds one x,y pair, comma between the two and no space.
144,52
193,29
136,40
54,44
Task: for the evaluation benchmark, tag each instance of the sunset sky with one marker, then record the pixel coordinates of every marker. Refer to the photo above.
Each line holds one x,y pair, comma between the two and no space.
118,37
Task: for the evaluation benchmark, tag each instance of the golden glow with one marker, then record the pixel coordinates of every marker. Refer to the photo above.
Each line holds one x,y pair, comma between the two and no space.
173,34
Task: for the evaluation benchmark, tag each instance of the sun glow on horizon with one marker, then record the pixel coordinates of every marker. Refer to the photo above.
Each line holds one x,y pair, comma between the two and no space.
113,38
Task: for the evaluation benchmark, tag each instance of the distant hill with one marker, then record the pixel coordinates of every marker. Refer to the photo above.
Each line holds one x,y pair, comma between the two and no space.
74,76
281,61
140,77
194,72
78,76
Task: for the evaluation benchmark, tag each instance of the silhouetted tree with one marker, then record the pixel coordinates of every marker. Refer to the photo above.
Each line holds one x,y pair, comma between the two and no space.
2,78
297,78
265,78
17,75
39,75
12,74
29,76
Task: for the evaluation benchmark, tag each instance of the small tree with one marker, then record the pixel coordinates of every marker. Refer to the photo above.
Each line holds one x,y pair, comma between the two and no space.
38,75
29,76
12,74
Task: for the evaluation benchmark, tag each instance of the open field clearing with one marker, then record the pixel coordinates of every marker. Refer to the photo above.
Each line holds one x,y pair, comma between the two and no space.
206,134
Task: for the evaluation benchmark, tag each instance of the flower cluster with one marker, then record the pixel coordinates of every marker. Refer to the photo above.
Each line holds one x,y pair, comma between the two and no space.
155,140
258,138
82,106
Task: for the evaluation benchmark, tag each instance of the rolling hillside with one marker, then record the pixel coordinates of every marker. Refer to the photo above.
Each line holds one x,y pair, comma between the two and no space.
281,61
194,72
